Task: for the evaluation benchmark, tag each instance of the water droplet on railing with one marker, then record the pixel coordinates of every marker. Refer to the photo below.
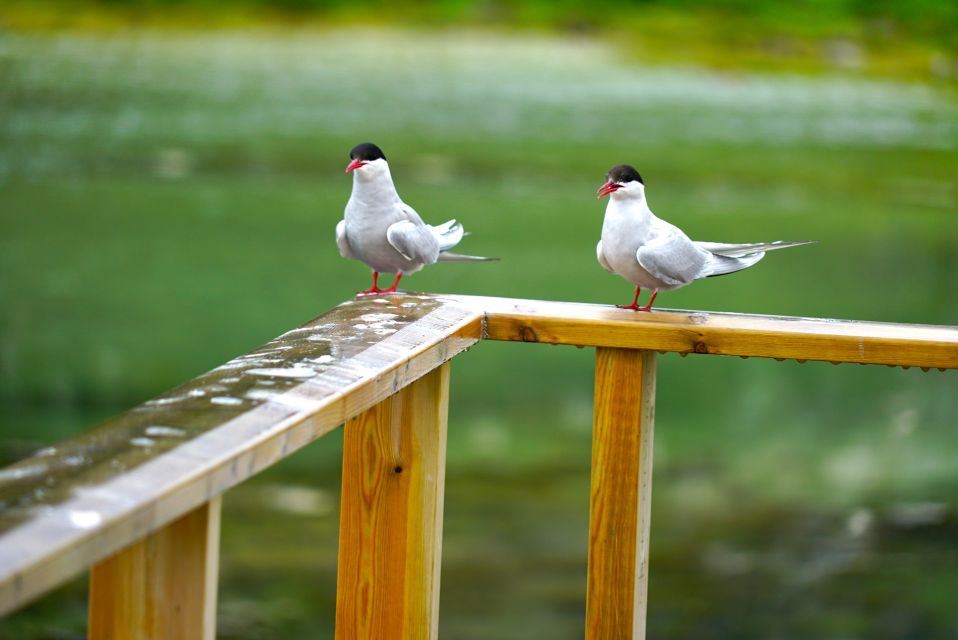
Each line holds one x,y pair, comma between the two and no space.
226,400
160,431
261,394
85,519
296,371
379,317
74,460
162,401
19,473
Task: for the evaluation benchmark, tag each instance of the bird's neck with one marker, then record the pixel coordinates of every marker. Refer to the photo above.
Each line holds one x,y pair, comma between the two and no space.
375,189
626,222
632,210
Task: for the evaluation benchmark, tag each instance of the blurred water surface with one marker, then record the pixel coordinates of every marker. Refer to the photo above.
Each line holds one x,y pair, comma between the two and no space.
167,201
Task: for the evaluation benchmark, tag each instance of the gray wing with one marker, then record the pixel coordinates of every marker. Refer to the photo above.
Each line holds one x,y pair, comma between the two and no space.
412,238
672,258
342,242
601,257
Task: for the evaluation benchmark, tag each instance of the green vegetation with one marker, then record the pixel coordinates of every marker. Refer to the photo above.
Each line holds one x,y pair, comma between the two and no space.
918,38
167,201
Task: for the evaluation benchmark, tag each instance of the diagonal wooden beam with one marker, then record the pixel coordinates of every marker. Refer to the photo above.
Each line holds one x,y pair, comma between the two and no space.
133,475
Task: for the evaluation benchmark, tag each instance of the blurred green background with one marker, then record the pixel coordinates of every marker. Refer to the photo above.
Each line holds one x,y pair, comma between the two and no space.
171,174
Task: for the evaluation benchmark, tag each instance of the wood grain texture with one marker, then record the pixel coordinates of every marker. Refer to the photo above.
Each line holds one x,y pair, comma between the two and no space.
74,504
390,543
162,587
100,517
621,494
781,337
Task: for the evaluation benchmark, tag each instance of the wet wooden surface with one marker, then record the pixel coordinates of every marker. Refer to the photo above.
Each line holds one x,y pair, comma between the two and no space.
82,500
666,330
73,504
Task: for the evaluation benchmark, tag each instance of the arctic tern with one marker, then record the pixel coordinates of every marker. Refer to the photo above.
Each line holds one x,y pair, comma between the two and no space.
651,253
384,232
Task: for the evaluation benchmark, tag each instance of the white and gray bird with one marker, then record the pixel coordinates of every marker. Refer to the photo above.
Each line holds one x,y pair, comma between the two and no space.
384,232
653,254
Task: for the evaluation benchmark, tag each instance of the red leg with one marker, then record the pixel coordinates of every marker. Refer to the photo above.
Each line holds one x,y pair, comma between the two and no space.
392,289
375,287
648,307
635,301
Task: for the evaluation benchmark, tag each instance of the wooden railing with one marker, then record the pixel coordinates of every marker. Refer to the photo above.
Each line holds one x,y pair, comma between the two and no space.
137,499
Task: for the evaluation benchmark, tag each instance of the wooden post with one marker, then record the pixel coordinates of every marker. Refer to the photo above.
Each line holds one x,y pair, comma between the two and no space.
162,587
390,536
621,494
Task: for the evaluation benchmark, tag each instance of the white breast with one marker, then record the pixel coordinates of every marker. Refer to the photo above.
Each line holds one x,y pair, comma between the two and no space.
627,226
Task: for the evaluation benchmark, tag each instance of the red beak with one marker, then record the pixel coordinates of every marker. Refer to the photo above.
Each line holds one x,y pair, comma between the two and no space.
355,164
607,188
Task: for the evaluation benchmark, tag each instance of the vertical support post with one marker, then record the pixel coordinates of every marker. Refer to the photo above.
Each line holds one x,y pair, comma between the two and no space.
390,531
162,587
621,494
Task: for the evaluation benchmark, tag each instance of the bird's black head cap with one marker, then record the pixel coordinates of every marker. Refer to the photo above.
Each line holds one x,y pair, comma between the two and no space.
622,173
366,152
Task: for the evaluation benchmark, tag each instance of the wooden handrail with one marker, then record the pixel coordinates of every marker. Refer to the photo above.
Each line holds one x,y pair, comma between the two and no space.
136,478
730,334
134,474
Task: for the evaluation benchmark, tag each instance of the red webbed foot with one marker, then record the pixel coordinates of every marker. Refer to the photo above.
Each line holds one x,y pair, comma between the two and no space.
635,301
392,289
374,289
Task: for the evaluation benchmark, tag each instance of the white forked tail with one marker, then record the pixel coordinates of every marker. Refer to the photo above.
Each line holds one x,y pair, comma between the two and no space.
741,250
449,234
729,258
446,256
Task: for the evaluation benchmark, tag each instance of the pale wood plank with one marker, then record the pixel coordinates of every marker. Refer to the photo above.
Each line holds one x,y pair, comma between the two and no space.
390,543
621,494
232,427
103,515
162,587
781,337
